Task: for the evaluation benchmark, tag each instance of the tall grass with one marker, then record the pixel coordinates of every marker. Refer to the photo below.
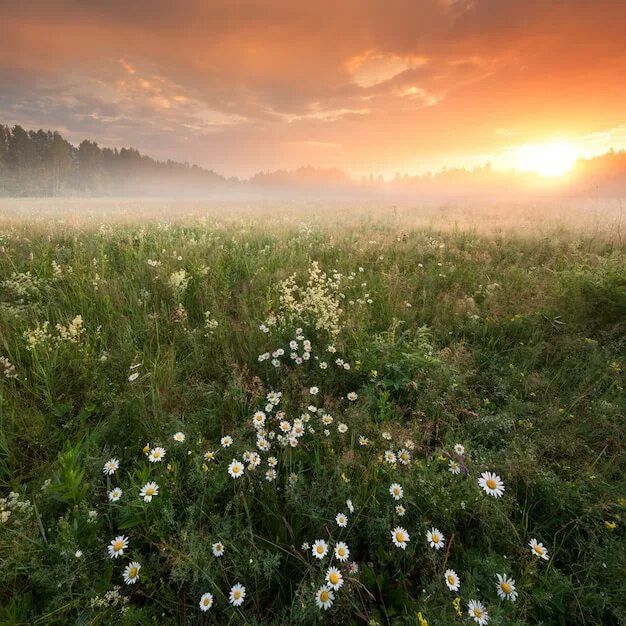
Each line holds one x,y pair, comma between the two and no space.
510,345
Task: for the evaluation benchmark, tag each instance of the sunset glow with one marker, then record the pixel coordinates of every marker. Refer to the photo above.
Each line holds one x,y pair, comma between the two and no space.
371,88
551,159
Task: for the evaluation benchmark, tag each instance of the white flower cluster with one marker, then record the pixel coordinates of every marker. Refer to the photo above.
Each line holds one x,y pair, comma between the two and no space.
7,369
13,504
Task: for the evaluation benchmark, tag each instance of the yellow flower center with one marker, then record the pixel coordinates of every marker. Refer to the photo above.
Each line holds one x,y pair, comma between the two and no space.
324,596
236,469
205,602
333,578
477,612
320,549
132,572
237,595
451,580
341,552
150,491
538,549
505,587
491,483
118,545
400,537
435,538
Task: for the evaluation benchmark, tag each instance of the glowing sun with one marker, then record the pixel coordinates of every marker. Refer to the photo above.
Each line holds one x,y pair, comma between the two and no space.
549,159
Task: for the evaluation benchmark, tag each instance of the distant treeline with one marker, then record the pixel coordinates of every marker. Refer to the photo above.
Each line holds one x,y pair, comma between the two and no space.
43,163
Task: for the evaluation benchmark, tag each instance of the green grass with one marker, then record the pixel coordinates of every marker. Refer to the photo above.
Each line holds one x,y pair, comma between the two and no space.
512,346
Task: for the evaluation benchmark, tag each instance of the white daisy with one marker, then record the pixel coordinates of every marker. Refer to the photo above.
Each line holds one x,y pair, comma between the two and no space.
435,538
350,506
506,588
538,549
342,520
491,484
390,456
363,441
342,428
272,461
400,537
156,455
110,467
452,580
400,510
314,391
334,578
117,546
206,601
324,597
459,449
342,552
478,612
218,549
237,594
404,456
270,475
258,419
396,491
352,396
180,437
319,549
115,494
454,467
235,469
226,441
131,573
148,491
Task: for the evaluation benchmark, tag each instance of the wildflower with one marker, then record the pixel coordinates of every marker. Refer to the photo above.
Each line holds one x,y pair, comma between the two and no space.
272,461
117,546
146,449
491,484
180,437
115,494
131,573
478,612
110,467
400,537
396,491
452,580
459,449
386,436
363,441
314,391
342,520
78,554
390,456
342,428
217,549
148,491
226,441
404,456
538,549
270,475
133,377
350,506
334,578
422,620
206,601
319,549
209,455
352,396
156,455
353,568
506,588
456,603
435,539
324,597
454,467
235,469
400,510
342,552
237,594
258,419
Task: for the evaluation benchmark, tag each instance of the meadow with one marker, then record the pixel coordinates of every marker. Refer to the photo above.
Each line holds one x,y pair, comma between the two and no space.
264,421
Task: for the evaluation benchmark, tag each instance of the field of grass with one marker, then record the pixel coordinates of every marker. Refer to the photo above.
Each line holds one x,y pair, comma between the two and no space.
378,355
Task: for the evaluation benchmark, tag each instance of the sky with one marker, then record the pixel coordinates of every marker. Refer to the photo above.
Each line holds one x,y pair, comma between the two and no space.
371,87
